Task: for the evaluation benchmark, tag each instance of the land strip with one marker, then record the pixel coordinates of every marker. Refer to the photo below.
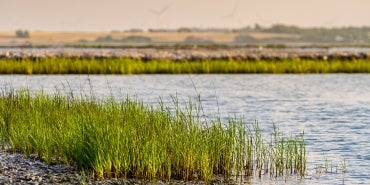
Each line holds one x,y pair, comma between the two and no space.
188,54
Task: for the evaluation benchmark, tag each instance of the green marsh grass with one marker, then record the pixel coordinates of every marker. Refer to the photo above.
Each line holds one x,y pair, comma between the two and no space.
125,138
331,167
136,66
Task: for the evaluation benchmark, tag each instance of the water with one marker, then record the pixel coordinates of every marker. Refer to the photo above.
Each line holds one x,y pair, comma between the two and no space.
332,109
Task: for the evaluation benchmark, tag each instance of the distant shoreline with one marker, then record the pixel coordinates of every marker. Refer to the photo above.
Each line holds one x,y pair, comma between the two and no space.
276,36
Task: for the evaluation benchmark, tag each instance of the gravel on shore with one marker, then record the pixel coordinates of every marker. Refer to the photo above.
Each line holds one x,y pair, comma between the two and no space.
15,168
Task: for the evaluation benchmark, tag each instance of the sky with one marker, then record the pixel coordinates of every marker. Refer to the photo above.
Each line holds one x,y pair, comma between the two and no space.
109,15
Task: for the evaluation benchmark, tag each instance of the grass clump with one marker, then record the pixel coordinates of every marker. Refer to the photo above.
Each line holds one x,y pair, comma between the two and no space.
125,138
136,66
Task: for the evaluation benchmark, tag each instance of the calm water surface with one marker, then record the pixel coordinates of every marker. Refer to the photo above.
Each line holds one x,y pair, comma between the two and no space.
333,110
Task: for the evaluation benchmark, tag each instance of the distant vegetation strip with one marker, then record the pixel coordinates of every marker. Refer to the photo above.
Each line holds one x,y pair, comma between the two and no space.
135,66
124,138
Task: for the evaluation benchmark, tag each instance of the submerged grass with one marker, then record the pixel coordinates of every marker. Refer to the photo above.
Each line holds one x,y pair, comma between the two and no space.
133,66
125,138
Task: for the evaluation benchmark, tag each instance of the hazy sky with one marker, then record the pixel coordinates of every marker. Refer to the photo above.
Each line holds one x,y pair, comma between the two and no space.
107,15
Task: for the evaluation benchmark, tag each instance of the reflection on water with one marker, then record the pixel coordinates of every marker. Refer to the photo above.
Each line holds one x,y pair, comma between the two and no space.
333,110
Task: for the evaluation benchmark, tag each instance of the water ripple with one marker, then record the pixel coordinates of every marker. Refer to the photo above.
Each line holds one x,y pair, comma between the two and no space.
333,110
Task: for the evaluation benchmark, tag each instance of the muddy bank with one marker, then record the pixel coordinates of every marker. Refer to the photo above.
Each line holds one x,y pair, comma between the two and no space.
193,54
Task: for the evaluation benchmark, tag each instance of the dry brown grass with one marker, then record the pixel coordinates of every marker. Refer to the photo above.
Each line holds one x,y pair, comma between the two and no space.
60,38
260,35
